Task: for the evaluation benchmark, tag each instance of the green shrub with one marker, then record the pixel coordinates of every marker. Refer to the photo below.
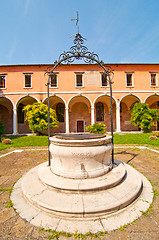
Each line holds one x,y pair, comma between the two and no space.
37,117
97,128
144,117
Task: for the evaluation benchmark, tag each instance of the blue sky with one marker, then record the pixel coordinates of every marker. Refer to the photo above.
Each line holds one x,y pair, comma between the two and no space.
119,31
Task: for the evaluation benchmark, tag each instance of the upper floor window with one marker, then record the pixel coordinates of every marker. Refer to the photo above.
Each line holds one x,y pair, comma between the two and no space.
153,79
27,80
79,80
2,81
129,79
104,80
53,80
99,111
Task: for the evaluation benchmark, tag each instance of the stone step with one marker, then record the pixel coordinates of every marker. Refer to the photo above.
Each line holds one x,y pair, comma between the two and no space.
76,204
108,180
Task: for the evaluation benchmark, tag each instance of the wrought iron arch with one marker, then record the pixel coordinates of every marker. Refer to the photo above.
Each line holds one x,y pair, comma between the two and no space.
77,52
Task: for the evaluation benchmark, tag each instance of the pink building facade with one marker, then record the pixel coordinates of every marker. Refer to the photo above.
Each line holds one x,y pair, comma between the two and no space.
79,93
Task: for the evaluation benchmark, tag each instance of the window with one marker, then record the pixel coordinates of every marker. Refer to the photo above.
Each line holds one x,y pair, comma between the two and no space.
27,83
60,109
53,80
20,113
129,79
99,111
79,80
2,81
104,80
153,79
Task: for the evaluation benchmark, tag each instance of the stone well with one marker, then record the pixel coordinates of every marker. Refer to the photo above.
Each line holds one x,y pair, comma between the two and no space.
81,155
82,190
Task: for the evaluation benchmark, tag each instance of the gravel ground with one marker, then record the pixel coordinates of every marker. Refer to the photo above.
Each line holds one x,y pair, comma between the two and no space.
14,165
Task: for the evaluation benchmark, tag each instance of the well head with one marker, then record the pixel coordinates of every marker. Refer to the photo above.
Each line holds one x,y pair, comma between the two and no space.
80,155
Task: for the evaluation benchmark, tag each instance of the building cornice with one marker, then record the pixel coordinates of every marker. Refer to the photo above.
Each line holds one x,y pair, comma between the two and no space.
76,92
74,64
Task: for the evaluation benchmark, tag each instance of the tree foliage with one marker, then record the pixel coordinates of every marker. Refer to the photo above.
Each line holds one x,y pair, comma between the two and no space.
37,117
97,128
144,117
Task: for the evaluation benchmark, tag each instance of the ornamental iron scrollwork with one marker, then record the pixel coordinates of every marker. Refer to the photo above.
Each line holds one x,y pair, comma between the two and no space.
80,52
77,52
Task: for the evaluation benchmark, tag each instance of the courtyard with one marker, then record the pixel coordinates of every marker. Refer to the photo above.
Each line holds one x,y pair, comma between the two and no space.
14,163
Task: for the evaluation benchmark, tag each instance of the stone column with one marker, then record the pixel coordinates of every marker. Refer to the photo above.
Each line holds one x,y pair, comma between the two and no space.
15,121
92,116
118,117
67,119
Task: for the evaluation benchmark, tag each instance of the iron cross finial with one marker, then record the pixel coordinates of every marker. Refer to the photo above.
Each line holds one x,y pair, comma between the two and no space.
77,20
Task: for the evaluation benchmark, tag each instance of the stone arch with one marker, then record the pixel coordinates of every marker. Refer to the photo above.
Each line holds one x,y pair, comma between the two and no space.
105,100
22,125
153,102
54,101
79,95
79,113
6,114
133,95
54,95
108,95
126,104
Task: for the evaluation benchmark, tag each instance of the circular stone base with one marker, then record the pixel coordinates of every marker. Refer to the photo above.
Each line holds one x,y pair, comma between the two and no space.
28,204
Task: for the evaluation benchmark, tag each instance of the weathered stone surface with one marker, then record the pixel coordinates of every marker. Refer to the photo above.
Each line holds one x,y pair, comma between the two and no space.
77,201
75,158
146,161
102,182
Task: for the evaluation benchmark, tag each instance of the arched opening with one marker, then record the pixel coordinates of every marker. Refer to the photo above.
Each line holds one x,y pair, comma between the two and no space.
79,114
102,112
153,102
99,112
23,126
20,113
6,114
60,111
58,105
126,105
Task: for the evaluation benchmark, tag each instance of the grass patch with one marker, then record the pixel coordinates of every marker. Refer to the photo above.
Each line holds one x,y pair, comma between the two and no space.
6,189
138,138
127,138
10,204
53,234
26,141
